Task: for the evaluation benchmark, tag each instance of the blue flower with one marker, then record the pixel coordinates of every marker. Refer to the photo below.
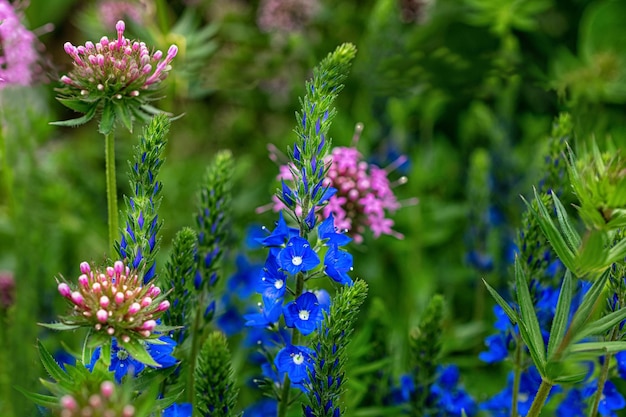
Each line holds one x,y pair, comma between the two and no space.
449,397
402,393
304,313
272,283
178,410
327,231
230,321
280,234
296,362
267,407
573,405
244,279
337,264
497,349
269,313
611,400
298,256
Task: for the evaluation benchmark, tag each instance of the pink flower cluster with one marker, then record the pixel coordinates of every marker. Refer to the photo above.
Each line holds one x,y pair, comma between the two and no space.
116,68
114,301
104,403
364,195
286,15
18,56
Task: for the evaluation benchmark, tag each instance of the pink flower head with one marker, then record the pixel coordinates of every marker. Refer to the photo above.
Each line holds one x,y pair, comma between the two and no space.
114,300
118,68
364,197
18,57
286,15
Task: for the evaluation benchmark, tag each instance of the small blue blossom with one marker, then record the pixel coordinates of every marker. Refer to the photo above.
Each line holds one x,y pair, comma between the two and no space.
267,407
403,392
269,313
449,398
280,234
272,282
296,362
244,279
304,313
337,264
178,410
611,400
123,364
573,405
497,349
298,256
327,231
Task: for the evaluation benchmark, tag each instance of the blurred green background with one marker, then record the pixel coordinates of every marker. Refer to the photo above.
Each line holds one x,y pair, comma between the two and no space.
467,89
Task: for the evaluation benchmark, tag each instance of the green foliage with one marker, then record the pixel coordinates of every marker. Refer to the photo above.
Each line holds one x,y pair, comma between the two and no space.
213,217
503,16
179,274
425,343
215,391
140,240
330,343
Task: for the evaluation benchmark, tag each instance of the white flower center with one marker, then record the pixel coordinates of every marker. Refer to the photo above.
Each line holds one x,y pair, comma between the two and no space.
303,314
296,260
278,284
298,358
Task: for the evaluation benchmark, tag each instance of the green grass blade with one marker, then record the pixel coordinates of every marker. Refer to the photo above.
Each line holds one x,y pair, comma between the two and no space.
561,315
534,339
511,314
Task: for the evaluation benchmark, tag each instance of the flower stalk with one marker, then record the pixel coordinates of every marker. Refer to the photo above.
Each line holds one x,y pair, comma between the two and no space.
111,186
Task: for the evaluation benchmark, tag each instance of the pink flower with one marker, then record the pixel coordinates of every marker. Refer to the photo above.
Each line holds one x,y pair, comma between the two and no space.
18,57
132,315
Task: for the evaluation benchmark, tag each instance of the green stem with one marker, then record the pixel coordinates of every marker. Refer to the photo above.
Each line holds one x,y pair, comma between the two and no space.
6,405
517,376
283,405
109,156
604,374
540,398
7,175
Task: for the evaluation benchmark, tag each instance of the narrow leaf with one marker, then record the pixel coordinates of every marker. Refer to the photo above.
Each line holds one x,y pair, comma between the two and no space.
51,365
47,401
589,303
511,314
602,325
561,315
600,347
79,120
528,315
59,326
107,119
572,237
138,351
77,105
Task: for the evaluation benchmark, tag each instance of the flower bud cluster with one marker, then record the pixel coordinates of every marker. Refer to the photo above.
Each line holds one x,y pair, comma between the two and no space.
103,403
116,68
114,301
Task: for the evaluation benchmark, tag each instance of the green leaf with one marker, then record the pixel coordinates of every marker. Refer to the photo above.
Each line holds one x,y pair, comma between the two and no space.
554,236
59,326
124,114
51,365
559,323
534,339
589,303
47,401
78,105
107,119
78,121
602,325
593,253
599,347
137,350
572,237
511,314
105,354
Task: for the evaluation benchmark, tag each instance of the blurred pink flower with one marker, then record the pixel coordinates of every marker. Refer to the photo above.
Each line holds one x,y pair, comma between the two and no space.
18,56
7,290
285,15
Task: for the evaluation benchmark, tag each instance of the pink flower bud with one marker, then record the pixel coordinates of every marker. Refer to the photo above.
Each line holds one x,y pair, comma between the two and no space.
157,55
69,403
120,27
64,289
104,301
134,308
125,338
104,41
146,301
110,331
66,80
119,298
154,292
77,298
128,411
69,48
102,316
164,305
96,288
148,325
119,267
100,59
171,53
145,333
95,401
85,268
110,271
107,388
83,280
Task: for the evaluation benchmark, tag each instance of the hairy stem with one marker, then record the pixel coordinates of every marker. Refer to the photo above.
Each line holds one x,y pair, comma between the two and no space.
517,376
109,155
540,398
602,378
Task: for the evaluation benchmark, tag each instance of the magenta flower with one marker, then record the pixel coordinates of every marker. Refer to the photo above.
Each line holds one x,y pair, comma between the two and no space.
116,76
18,57
364,198
115,302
